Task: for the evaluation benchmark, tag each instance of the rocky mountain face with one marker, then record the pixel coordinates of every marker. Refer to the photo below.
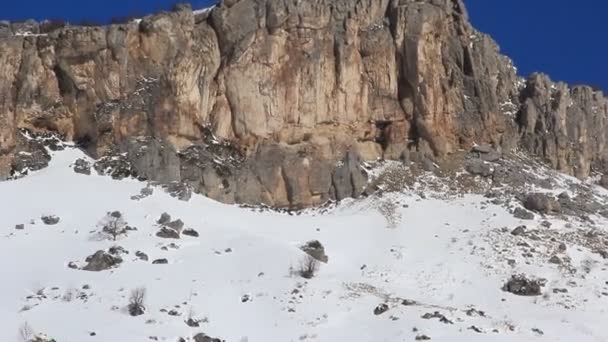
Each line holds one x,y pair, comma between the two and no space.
279,101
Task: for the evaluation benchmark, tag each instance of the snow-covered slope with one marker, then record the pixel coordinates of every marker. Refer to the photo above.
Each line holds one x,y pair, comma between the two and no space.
448,255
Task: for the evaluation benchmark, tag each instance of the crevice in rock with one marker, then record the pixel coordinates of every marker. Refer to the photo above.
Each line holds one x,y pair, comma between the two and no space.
382,133
64,82
467,63
288,188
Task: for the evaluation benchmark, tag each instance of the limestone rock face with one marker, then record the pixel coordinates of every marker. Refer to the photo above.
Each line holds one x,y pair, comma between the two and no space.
565,126
279,101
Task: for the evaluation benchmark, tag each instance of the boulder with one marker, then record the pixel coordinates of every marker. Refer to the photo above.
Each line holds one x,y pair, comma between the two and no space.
315,249
380,309
190,232
41,338
141,255
32,157
200,337
50,219
164,219
181,191
555,260
101,261
523,214
161,261
522,286
82,166
168,233
117,250
177,225
519,230
478,167
482,149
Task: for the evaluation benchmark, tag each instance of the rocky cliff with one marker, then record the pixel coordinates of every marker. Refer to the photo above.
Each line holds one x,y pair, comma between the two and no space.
279,101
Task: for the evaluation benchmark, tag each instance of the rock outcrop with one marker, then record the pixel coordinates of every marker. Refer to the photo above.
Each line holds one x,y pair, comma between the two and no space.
278,101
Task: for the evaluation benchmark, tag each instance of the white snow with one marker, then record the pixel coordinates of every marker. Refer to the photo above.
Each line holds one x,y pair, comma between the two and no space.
203,10
29,34
447,255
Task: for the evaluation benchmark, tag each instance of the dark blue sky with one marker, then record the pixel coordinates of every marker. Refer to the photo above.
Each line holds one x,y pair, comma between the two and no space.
564,38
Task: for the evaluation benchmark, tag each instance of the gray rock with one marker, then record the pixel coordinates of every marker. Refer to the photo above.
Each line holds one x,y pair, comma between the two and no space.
82,166
168,233
555,260
200,337
42,338
192,323
101,261
349,179
522,286
177,225
160,261
152,159
190,232
438,315
32,157
604,181
20,226
380,309
141,255
50,219
544,102
316,250
522,214
408,302
143,193
117,250
115,165
602,252
519,230
164,219
179,190
581,206
492,156
485,148
478,167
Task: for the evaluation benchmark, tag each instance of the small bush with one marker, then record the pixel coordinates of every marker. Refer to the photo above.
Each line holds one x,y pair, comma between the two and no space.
114,224
308,267
69,295
136,301
26,332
